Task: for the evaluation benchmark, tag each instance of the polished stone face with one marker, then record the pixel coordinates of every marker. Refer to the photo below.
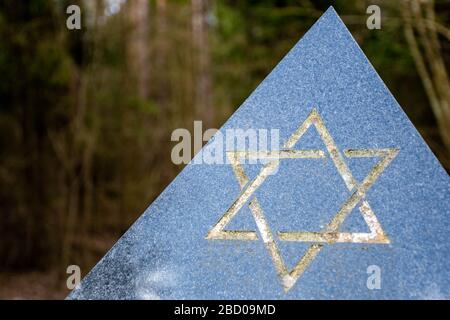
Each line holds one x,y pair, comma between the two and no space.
352,203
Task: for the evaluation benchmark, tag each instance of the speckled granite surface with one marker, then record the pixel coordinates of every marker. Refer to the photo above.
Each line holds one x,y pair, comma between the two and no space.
166,255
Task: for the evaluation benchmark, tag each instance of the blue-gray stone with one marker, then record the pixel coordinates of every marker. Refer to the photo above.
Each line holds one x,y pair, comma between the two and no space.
174,251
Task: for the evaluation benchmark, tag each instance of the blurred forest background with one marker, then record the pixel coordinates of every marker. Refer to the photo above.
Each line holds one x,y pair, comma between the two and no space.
86,115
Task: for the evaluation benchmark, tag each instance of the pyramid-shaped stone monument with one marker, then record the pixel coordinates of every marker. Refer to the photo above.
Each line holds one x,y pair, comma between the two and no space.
350,204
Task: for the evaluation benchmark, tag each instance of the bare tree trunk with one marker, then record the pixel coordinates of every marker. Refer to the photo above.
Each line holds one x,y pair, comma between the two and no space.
200,34
138,45
74,151
162,51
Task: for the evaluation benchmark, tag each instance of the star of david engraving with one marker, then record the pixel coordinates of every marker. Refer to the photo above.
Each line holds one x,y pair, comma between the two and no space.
330,233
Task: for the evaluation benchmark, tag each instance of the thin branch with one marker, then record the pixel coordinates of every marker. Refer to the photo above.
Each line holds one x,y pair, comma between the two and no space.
419,61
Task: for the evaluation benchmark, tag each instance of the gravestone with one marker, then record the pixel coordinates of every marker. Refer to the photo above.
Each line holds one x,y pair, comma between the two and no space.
351,203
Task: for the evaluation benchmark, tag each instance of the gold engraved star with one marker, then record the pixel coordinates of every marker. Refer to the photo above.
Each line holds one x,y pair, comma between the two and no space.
330,233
